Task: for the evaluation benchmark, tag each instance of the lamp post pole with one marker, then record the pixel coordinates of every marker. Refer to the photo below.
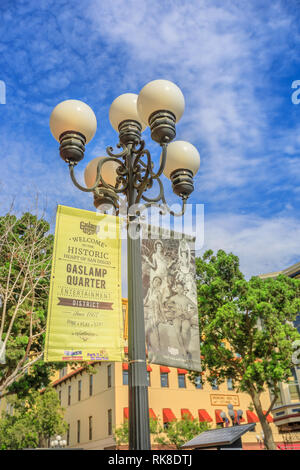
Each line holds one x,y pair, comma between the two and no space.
139,431
160,104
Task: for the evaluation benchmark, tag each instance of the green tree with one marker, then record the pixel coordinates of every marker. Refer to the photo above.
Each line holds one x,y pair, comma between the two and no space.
246,329
121,434
25,266
181,431
34,420
26,249
176,433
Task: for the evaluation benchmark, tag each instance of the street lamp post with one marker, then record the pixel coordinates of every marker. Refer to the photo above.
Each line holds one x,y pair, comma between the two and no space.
58,443
160,104
235,416
224,418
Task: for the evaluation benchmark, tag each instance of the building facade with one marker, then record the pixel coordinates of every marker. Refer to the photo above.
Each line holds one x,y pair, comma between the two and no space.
96,404
286,412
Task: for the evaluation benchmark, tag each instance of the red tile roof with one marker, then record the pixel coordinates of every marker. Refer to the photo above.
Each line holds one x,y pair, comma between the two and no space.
67,376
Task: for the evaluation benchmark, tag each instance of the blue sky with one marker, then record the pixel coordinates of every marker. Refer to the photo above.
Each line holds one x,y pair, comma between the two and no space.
235,62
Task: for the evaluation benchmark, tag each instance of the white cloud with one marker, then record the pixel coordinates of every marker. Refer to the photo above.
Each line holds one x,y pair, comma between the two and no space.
263,245
219,53
222,55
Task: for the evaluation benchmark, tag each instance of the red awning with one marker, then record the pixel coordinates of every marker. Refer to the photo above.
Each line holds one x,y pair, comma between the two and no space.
269,417
125,367
186,413
242,420
168,415
152,414
204,416
164,369
182,371
252,418
218,416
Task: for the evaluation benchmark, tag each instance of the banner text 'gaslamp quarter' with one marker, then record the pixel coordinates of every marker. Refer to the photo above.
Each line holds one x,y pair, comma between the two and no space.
160,104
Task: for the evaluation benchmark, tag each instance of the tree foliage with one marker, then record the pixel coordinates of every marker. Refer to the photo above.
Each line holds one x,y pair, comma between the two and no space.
26,248
181,431
25,266
121,434
34,420
246,327
175,434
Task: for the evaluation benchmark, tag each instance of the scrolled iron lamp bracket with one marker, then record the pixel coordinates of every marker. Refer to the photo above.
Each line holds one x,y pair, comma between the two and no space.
143,178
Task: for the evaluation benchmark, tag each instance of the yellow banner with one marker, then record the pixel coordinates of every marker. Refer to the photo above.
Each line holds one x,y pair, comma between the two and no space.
85,318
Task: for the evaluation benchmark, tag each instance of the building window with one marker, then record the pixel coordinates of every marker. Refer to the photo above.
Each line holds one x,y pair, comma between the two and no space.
78,431
198,382
91,385
90,428
63,372
109,422
214,385
59,397
181,381
229,384
109,376
68,435
79,390
294,387
69,395
125,377
148,378
164,379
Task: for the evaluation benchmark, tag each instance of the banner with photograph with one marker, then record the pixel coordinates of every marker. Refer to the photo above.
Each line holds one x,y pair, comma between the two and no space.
170,300
85,314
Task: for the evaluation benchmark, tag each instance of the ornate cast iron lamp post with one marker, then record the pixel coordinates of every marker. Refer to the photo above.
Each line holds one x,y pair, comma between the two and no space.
58,443
160,105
